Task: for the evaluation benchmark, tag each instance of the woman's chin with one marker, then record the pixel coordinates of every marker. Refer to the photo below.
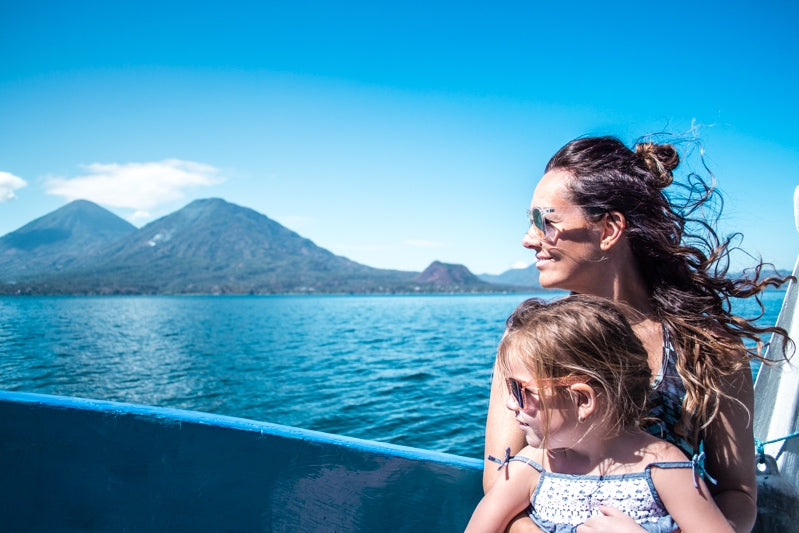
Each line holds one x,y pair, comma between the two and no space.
547,280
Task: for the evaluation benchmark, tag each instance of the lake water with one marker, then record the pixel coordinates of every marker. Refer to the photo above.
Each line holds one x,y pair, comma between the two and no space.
411,370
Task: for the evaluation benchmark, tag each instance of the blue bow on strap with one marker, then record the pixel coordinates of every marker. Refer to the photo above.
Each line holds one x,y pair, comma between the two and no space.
698,469
501,462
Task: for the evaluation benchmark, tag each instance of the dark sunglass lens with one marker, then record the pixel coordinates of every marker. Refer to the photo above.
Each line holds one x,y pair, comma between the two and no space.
516,391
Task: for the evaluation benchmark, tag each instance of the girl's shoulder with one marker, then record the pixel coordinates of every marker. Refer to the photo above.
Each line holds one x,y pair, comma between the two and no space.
654,450
661,451
529,459
536,454
668,467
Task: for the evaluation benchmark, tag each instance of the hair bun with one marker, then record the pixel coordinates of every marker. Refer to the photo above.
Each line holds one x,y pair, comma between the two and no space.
660,159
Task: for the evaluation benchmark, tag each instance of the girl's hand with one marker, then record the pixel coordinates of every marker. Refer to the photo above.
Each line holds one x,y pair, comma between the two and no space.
611,521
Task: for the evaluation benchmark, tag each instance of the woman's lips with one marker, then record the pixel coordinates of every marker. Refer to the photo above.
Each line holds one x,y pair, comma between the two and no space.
540,259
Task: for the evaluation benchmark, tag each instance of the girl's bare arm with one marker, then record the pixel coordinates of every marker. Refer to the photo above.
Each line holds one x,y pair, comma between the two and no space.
691,507
509,496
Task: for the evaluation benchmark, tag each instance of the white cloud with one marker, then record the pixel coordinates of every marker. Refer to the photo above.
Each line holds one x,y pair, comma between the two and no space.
8,184
140,215
425,244
139,186
520,264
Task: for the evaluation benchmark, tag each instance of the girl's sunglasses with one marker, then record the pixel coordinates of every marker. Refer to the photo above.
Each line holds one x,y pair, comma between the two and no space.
518,388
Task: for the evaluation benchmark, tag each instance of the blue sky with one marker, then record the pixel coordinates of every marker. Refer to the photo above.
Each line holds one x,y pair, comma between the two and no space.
394,134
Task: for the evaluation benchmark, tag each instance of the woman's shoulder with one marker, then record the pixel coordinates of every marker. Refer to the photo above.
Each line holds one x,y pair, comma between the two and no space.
716,334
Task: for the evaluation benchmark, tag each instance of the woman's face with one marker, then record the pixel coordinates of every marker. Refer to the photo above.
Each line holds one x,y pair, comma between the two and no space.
568,255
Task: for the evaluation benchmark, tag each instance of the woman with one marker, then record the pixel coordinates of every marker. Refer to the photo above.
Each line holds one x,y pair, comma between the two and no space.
602,225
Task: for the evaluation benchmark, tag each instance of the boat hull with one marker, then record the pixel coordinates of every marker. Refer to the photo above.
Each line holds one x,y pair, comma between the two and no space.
80,465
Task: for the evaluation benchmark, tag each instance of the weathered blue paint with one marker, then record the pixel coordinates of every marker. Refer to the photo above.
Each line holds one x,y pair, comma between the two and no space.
70,464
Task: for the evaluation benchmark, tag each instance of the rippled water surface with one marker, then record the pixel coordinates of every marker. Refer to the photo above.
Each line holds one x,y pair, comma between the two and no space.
412,370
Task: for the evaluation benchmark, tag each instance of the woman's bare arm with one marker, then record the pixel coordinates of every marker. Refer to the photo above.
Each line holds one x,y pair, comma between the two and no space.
730,453
502,431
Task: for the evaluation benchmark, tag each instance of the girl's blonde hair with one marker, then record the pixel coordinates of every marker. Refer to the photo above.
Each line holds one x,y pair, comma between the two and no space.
580,336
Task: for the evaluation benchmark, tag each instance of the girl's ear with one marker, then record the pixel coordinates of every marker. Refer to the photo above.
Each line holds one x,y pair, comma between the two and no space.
613,224
585,397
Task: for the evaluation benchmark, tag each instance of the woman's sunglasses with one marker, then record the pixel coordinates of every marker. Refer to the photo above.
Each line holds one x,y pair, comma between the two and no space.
543,229
536,215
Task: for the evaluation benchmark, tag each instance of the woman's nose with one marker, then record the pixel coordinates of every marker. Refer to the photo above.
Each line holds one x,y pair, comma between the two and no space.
531,239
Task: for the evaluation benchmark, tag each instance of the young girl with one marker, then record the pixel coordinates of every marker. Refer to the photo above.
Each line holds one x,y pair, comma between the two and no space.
578,379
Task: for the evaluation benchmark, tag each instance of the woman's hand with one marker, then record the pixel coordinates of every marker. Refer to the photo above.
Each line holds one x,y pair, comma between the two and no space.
611,521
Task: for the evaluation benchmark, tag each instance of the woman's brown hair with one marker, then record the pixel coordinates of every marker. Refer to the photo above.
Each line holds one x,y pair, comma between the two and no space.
680,256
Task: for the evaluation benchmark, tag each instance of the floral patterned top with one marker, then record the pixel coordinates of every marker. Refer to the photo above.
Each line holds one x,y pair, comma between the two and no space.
561,502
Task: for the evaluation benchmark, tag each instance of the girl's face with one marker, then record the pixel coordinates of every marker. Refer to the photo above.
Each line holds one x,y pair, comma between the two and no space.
553,428
568,254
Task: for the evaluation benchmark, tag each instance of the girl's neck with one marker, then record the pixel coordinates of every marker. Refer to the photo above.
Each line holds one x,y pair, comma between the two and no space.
620,453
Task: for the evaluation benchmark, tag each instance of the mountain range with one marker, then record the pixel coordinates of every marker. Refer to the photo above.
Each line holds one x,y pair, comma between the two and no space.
209,246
